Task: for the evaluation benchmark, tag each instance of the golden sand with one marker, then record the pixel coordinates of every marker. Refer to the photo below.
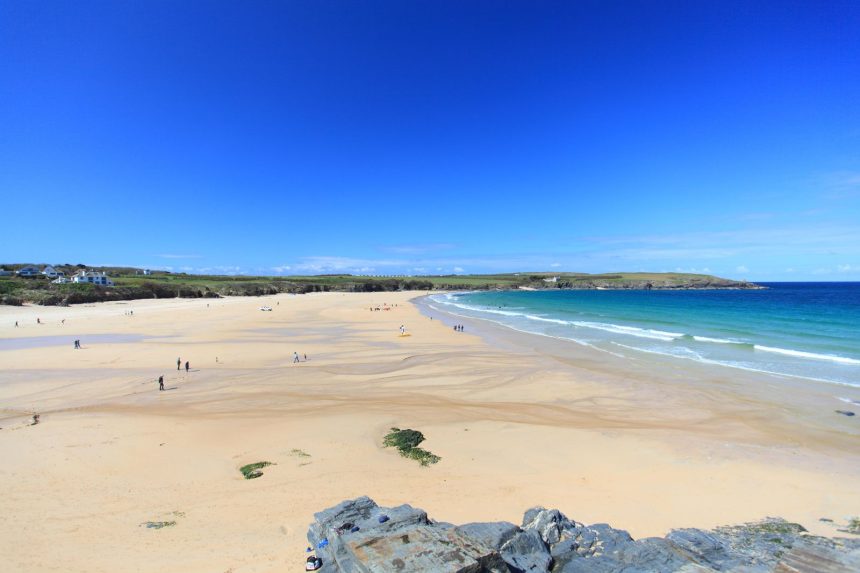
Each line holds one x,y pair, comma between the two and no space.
517,424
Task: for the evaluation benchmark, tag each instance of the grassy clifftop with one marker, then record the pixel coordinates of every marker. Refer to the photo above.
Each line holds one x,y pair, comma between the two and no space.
130,284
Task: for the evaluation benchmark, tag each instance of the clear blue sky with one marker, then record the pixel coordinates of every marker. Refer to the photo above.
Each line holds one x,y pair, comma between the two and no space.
432,137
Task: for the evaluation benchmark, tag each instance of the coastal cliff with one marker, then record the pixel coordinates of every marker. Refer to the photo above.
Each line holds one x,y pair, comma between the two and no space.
359,536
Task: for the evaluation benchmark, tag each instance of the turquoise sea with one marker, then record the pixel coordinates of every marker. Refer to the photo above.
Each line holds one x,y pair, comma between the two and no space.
804,330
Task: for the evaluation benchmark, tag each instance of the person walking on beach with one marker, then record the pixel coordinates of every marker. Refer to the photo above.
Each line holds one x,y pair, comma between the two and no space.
187,366
161,383
295,357
16,324
178,363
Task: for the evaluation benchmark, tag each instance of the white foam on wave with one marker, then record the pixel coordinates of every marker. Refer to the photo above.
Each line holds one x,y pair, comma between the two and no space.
739,366
606,327
630,330
538,333
808,355
717,340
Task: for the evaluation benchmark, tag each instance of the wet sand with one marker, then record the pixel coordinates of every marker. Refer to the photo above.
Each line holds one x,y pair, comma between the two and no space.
518,421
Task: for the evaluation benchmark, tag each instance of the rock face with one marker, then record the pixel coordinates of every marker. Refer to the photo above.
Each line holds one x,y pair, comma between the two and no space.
358,536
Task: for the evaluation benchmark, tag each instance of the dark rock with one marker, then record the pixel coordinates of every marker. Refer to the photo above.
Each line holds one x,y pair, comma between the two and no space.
643,556
351,538
527,553
810,558
551,524
492,535
845,412
705,547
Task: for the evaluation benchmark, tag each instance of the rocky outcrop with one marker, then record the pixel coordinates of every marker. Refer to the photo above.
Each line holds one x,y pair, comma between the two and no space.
358,536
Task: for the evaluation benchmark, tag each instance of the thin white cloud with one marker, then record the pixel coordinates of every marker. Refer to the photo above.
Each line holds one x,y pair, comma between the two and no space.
842,184
742,269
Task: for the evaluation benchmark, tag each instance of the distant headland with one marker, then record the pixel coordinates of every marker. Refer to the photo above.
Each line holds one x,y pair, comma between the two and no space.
72,284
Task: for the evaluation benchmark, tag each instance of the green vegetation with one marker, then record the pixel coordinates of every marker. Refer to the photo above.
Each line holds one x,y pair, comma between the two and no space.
131,284
406,442
854,526
158,524
299,453
253,471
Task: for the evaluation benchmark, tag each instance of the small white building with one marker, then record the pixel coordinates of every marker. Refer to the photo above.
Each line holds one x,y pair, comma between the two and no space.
28,272
92,277
551,280
60,281
52,273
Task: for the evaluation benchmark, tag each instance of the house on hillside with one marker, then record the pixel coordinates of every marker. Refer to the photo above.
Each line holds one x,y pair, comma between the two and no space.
52,273
551,280
5,273
60,281
28,272
92,277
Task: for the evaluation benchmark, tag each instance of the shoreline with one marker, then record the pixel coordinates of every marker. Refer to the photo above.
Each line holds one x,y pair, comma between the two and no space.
811,403
517,423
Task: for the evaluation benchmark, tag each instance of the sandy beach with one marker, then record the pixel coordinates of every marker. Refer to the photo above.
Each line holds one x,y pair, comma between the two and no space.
518,421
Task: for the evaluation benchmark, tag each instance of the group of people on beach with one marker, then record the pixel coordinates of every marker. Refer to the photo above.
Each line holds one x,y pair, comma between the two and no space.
296,357
178,367
458,328
78,344
39,321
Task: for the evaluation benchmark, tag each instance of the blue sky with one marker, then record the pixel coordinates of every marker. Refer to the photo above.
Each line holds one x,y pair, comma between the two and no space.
433,137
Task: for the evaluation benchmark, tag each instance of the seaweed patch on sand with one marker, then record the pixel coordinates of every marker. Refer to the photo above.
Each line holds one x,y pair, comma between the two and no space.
406,442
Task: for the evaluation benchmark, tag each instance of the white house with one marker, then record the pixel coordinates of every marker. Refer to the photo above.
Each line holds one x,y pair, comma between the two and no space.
52,273
92,277
28,272
551,280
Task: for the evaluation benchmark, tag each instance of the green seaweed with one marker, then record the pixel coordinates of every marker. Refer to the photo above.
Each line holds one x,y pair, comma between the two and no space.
299,453
406,442
157,524
253,471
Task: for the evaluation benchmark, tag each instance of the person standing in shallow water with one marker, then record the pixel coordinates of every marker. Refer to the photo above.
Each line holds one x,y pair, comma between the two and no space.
161,382
187,366
178,363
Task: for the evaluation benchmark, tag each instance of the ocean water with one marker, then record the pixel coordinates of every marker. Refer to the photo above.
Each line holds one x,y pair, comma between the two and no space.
805,330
